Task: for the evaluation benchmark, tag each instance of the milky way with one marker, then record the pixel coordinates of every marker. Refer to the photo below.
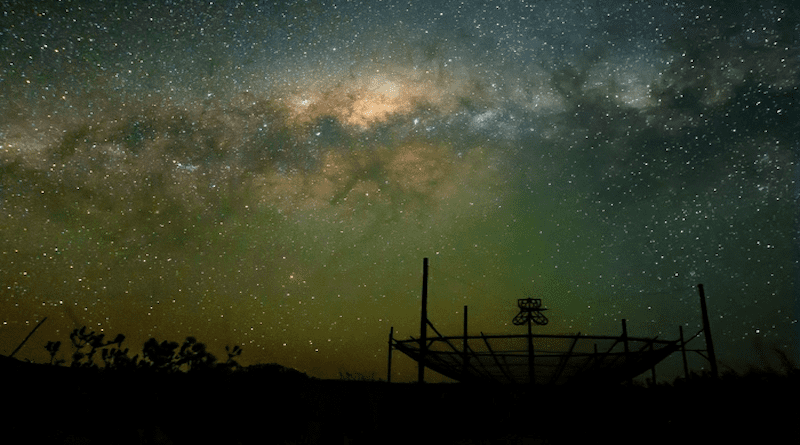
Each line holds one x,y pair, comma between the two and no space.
271,176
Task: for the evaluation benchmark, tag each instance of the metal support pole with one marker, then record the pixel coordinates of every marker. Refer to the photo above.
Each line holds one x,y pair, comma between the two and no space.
625,343
531,369
389,367
707,332
683,353
466,353
26,338
625,336
423,324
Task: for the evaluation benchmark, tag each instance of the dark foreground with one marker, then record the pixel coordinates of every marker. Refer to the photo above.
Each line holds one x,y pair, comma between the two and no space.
60,405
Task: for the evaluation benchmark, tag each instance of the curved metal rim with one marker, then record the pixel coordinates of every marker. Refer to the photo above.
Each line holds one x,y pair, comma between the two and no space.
642,353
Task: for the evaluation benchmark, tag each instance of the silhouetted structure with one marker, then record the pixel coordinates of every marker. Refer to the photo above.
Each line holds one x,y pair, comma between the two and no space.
556,359
539,358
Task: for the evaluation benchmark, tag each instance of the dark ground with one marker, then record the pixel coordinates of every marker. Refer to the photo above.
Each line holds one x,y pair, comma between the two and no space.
271,406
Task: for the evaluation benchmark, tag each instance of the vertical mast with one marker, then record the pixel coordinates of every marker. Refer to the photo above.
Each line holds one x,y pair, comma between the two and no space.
712,357
465,357
530,311
625,343
423,324
389,365
531,371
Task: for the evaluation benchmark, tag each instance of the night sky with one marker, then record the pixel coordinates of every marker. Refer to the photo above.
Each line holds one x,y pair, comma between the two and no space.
272,176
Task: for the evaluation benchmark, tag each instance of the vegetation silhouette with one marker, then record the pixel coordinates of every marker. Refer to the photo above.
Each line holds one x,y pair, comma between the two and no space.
170,392
163,357
180,393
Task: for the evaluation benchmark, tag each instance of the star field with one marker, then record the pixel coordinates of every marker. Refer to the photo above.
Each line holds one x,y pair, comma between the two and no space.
271,174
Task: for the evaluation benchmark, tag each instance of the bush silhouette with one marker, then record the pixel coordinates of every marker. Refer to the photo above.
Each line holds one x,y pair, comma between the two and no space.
166,356
86,344
52,348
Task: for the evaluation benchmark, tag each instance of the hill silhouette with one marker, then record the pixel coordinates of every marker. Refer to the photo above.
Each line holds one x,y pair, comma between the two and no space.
269,403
